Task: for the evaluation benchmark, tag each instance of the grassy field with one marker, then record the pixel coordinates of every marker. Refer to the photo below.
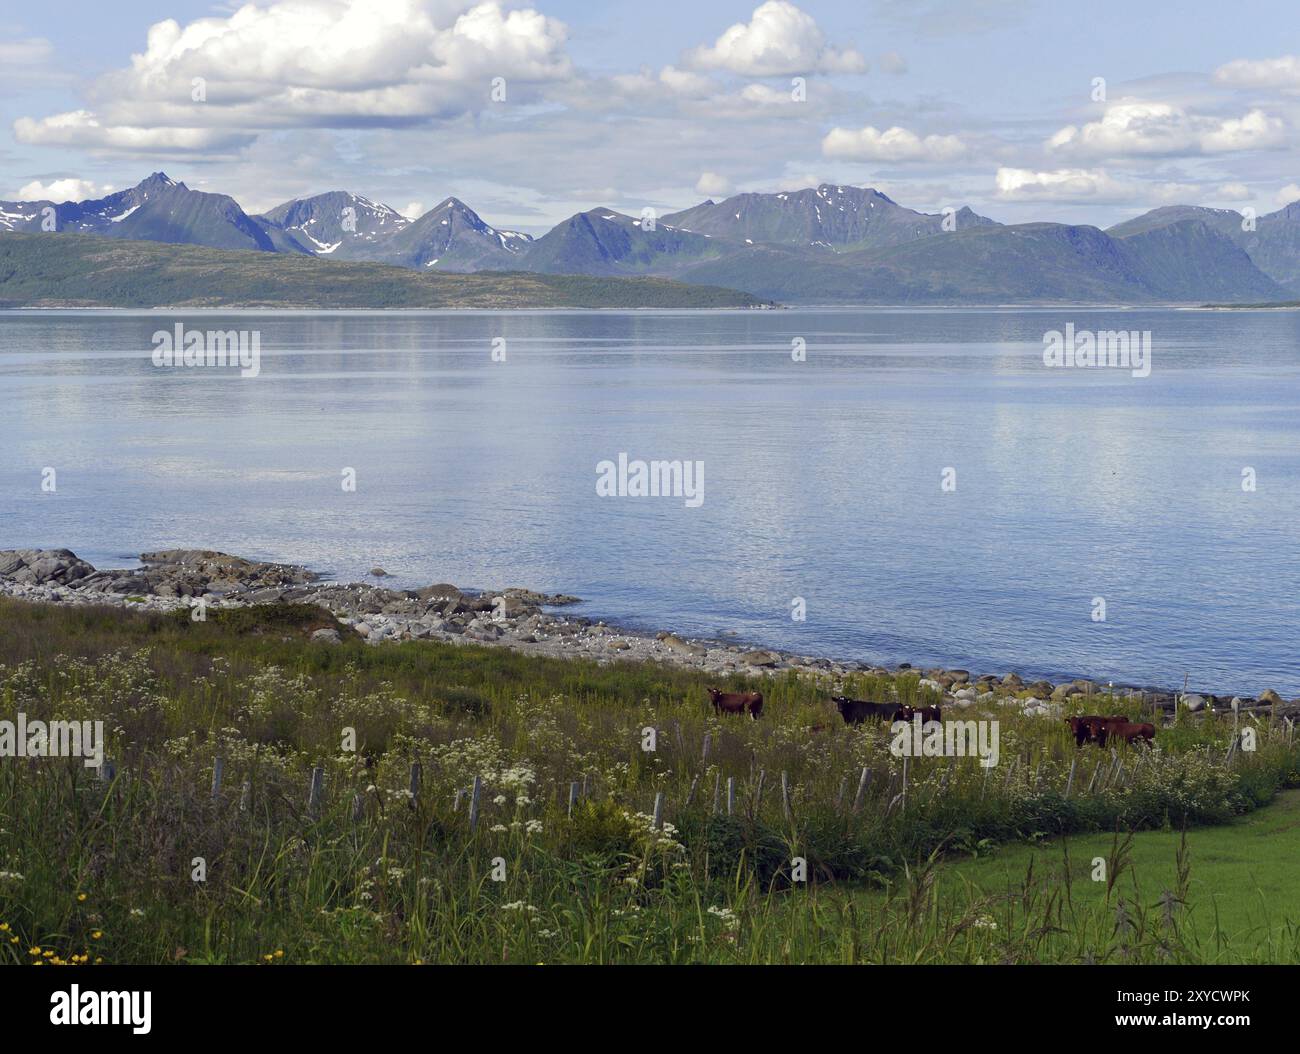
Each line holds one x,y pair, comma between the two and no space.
153,866
1242,902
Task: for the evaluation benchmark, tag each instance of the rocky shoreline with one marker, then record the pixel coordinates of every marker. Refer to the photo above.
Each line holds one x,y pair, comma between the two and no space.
513,618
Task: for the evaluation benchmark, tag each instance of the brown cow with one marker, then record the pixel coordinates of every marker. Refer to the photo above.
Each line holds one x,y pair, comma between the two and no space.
736,702
1091,728
1129,731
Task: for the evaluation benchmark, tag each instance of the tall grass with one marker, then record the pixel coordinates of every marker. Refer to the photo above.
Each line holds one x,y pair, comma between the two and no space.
377,874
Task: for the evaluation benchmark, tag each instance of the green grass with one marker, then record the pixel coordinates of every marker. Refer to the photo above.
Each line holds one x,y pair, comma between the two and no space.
373,874
1242,892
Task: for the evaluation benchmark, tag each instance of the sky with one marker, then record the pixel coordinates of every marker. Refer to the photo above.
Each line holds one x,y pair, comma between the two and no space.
1024,110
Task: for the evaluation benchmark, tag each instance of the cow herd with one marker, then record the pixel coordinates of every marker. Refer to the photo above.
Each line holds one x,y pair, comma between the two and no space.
1092,729
1088,728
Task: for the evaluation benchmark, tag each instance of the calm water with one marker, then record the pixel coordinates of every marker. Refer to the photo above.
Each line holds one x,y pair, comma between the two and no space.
822,479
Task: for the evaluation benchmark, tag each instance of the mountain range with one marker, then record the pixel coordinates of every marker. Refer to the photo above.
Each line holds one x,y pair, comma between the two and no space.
829,244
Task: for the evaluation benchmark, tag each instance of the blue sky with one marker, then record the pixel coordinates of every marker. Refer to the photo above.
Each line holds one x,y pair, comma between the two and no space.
624,104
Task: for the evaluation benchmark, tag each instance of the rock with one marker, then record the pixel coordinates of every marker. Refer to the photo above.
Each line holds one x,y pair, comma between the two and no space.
959,676
363,629
682,647
378,572
327,636
439,591
760,657
1040,688
1268,697
1193,703
1012,680
1065,691
966,693
618,645
43,566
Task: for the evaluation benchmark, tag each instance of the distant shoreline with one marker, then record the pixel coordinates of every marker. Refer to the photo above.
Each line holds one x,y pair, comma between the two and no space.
520,619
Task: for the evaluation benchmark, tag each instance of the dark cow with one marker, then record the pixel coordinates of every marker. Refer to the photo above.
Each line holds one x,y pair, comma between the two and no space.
1129,731
927,713
856,711
736,702
1092,728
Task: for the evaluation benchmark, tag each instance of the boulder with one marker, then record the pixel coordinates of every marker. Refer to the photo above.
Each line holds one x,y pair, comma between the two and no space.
327,636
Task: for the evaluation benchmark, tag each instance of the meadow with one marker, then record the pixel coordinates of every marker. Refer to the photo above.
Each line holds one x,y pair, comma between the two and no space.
273,800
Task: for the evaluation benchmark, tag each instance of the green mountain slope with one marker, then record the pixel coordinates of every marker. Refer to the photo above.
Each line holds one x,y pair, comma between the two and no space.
77,270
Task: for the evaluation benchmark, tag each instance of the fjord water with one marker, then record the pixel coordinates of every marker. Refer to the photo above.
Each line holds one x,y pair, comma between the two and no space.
822,479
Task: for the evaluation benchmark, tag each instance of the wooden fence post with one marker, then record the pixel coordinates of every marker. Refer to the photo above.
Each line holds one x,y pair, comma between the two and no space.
731,794
417,773
218,767
717,791
690,794
658,820
758,792
704,751
573,797
785,798
863,780
1069,783
358,807
473,803
314,794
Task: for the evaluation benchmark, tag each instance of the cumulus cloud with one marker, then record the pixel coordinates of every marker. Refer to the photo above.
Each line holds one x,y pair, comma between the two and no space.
712,185
778,40
310,63
893,145
60,190
1288,194
1134,127
83,128
1282,72
1087,187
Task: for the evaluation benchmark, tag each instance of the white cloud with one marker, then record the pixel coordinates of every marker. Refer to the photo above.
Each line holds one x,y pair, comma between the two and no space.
1234,192
1087,186
1288,194
712,185
310,63
1062,184
1281,72
893,145
60,190
1133,127
83,128
778,40
32,51
413,210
